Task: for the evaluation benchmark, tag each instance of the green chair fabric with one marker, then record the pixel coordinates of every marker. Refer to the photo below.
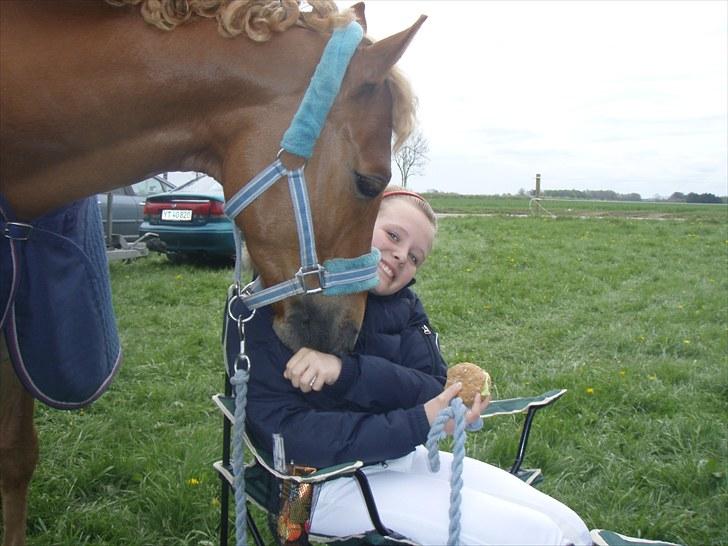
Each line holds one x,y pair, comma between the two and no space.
602,537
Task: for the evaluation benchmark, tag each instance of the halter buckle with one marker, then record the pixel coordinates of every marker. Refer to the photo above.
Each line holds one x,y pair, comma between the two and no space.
310,271
17,231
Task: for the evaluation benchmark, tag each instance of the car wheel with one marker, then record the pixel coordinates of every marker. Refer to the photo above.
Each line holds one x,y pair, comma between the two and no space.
178,257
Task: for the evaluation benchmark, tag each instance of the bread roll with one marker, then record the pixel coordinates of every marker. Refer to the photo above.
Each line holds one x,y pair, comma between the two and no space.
474,380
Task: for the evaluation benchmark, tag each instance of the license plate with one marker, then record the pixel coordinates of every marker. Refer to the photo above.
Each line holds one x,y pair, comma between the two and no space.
174,215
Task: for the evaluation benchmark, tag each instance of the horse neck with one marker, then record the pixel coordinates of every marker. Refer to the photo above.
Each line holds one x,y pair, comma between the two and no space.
136,101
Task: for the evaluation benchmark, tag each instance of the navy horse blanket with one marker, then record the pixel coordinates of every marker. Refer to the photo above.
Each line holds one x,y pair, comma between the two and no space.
55,304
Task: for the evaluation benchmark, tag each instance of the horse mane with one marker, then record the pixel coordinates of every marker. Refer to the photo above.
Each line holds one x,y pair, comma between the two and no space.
260,19
404,109
257,19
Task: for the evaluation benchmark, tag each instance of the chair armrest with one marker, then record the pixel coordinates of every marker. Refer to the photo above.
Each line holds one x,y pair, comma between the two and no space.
226,404
510,406
528,405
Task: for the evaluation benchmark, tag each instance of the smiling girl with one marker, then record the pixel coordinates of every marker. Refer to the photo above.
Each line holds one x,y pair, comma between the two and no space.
377,404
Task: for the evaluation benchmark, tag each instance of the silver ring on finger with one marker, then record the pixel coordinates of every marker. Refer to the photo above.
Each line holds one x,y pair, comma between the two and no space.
313,381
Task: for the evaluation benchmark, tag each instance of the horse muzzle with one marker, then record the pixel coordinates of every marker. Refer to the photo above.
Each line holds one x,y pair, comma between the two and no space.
321,323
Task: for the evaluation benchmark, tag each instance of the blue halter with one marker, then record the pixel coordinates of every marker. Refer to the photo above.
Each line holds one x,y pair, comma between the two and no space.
336,276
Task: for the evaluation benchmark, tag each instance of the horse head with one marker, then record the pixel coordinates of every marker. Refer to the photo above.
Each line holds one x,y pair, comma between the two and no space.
349,168
140,101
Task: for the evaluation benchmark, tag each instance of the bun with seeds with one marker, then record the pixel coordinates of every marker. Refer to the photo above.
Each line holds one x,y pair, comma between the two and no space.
474,380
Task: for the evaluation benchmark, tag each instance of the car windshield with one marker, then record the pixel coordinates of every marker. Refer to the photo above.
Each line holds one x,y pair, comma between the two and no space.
150,186
202,185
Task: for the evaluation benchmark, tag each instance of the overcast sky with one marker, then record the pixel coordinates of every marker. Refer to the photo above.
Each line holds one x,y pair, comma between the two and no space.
621,95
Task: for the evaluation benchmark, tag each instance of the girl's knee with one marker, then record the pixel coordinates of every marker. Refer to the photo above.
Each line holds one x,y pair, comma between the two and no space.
511,524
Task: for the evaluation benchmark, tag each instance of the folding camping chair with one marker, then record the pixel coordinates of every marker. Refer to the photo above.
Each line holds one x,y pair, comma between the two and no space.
262,480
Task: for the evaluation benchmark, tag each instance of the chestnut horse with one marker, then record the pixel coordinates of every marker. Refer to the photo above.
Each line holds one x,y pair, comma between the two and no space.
93,98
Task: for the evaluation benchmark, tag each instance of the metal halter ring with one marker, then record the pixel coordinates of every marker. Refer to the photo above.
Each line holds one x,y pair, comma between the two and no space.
280,153
234,293
242,358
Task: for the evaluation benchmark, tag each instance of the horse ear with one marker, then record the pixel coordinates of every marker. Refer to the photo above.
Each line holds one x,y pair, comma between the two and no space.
358,9
371,63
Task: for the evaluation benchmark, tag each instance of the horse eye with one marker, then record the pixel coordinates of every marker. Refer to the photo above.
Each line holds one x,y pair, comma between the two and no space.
369,185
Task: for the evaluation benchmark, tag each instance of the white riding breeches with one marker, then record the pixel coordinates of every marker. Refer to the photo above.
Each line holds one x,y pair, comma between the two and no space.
497,508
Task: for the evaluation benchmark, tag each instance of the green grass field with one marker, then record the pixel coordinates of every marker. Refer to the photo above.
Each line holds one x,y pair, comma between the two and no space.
630,315
477,204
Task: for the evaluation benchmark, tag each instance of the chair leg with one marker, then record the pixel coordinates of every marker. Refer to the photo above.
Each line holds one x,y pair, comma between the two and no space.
521,453
224,511
253,529
224,485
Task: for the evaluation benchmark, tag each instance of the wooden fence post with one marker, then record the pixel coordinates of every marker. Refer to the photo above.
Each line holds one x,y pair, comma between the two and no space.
537,196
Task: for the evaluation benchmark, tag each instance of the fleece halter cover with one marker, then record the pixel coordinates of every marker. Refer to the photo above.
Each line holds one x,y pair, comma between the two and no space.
55,304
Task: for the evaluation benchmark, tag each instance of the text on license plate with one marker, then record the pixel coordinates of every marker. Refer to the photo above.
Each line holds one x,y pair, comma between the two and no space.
177,215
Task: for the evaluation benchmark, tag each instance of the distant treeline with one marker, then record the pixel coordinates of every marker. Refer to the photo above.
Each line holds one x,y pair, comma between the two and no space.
609,195
598,195
696,198
601,195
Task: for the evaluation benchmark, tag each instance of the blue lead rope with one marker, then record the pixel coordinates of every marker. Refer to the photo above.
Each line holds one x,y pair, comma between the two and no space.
455,411
239,382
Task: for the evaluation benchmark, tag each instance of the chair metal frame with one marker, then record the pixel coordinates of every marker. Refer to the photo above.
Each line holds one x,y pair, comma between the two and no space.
529,406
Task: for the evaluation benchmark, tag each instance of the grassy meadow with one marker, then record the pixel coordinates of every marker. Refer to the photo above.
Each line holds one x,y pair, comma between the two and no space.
476,204
631,315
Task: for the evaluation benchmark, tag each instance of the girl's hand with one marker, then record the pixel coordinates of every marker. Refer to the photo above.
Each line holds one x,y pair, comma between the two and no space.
310,370
441,401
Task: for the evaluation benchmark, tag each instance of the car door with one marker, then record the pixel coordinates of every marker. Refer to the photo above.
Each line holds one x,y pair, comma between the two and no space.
127,205
124,214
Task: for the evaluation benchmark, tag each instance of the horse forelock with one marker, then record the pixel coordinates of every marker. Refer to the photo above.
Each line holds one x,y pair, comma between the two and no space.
257,19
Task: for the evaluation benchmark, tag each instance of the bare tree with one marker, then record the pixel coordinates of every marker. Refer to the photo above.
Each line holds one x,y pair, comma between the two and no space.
411,158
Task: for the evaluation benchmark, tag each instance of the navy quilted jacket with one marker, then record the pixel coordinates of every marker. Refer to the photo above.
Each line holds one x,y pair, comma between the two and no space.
373,412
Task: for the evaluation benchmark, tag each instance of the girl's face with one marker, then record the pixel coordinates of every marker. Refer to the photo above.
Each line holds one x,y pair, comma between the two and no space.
404,236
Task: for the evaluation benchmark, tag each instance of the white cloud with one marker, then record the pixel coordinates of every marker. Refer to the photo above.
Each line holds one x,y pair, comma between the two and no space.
629,96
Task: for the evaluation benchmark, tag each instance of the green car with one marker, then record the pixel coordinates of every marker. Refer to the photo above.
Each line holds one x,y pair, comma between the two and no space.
190,221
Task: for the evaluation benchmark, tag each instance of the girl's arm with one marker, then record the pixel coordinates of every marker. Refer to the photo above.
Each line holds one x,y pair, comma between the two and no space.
370,382
321,438
418,374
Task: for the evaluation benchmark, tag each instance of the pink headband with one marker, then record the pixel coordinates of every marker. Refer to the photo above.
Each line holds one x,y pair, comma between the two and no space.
403,192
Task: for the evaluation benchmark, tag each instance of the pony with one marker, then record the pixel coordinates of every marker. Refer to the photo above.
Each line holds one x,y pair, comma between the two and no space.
93,97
